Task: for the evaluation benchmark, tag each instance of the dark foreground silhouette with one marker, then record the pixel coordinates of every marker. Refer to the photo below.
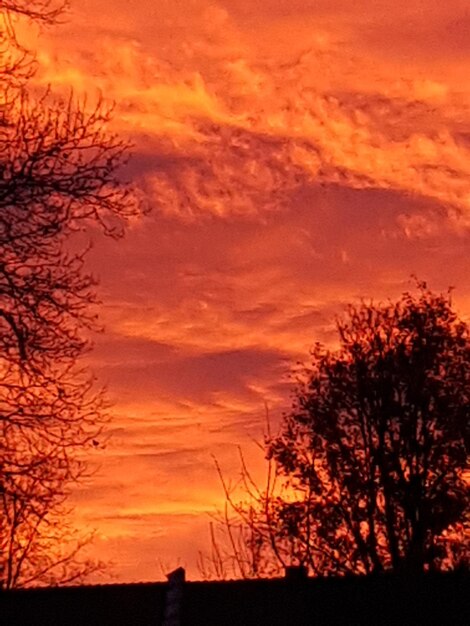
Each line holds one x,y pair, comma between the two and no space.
293,600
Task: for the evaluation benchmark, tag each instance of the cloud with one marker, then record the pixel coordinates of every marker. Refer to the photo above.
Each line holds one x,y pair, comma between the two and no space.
199,377
233,133
297,155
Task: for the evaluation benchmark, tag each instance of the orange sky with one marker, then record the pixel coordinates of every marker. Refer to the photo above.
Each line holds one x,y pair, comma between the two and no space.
297,154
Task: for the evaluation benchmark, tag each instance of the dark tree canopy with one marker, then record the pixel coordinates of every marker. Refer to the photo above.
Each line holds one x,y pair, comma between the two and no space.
378,438
372,459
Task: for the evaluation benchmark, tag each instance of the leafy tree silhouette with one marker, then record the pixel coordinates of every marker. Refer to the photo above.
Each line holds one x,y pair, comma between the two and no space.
367,472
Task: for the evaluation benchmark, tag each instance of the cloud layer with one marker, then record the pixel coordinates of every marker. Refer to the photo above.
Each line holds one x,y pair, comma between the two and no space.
296,155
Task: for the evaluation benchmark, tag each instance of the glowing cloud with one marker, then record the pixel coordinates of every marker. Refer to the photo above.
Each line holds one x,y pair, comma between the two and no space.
296,154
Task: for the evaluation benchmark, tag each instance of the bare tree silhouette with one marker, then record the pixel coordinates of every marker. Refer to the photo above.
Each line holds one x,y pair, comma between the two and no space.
58,175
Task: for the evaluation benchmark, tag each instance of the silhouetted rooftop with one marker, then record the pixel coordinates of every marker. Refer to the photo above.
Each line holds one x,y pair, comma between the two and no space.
442,599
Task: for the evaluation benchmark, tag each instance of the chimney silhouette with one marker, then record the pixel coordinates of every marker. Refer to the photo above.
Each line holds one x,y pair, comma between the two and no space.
174,598
296,573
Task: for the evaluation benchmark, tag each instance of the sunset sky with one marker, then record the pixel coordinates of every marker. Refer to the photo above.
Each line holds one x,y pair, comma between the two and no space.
296,154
